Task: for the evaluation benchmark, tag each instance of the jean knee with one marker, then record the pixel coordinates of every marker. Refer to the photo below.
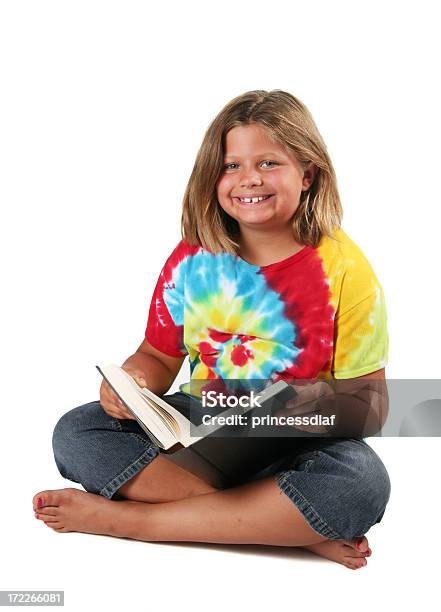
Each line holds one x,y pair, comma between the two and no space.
373,487
366,494
66,437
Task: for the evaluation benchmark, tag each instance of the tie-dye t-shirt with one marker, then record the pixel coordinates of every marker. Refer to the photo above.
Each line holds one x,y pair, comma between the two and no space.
317,314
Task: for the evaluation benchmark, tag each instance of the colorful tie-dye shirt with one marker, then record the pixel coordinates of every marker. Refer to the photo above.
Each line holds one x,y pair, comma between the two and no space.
317,314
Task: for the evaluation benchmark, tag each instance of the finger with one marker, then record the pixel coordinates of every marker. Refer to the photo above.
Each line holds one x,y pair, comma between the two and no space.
117,402
140,381
127,415
309,394
123,412
109,397
118,415
114,406
137,375
114,396
112,410
108,391
111,413
122,407
117,407
107,388
298,409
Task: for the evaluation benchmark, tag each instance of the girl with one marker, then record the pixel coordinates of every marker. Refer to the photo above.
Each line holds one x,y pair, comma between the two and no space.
265,284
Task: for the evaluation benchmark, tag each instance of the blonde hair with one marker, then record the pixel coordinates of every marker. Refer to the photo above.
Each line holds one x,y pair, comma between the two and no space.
289,123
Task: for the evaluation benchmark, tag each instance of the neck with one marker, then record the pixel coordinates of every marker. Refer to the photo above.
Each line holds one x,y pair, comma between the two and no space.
262,248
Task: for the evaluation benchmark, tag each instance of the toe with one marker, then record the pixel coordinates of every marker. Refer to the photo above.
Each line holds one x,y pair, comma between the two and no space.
46,517
45,498
49,511
54,525
349,565
361,544
351,553
50,520
37,500
59,529
353,563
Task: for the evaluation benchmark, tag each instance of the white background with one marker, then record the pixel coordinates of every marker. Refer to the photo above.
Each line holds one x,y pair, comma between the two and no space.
103,108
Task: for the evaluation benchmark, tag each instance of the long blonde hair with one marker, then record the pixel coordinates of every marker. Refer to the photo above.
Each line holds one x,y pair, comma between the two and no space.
289,123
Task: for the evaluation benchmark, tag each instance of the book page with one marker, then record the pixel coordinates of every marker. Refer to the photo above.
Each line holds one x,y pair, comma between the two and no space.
128,391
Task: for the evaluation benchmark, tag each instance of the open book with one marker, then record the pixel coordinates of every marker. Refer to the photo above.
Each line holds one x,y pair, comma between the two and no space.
218,460
159,419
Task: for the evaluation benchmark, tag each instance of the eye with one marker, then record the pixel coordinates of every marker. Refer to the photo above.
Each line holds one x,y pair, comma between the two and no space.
267,161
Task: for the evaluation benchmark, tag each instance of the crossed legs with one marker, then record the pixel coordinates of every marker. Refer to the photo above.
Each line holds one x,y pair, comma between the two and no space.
163,502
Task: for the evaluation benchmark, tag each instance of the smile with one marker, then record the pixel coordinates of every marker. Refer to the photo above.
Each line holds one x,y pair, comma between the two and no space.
255,200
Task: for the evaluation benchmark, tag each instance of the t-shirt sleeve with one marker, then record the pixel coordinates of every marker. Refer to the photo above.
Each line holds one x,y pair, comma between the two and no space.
165,323
361,339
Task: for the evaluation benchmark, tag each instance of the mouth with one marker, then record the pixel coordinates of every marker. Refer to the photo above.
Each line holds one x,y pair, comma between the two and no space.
253,201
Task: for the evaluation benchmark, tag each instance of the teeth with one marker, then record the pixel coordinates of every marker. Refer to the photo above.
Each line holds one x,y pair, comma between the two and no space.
253,200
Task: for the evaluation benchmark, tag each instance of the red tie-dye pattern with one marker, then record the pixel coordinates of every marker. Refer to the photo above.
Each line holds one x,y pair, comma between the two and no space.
208,353
158,312
218,336
304,289
240,355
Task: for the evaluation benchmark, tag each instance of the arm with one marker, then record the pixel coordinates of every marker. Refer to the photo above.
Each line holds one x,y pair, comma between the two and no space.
150,368
153,367
360,404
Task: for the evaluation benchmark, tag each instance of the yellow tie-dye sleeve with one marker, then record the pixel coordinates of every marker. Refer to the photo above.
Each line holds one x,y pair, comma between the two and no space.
360,338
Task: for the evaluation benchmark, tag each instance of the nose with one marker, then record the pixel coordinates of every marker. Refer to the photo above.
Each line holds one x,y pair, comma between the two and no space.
250,177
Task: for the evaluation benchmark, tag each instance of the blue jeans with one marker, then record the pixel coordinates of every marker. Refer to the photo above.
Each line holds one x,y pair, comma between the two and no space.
339,485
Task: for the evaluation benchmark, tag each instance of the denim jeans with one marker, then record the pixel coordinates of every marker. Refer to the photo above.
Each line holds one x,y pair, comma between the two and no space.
339,485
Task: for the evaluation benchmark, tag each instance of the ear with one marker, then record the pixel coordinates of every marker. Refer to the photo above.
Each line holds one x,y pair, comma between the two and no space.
308,176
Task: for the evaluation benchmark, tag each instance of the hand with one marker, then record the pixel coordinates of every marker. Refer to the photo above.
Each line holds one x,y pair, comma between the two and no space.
110,402
306,398
306,403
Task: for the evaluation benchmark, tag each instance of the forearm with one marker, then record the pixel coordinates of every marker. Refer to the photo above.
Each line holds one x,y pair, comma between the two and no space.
357,415
359,407
158,377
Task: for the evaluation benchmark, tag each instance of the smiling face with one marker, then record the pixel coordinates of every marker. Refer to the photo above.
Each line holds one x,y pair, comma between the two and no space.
261,183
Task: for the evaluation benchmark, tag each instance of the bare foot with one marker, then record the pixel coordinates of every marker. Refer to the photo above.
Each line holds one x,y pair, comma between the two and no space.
350,553
73,510
70,509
